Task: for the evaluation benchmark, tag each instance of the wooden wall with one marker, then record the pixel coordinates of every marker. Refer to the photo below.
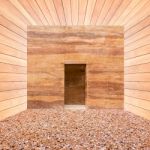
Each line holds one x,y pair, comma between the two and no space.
101,48
137,68
133,15
13,68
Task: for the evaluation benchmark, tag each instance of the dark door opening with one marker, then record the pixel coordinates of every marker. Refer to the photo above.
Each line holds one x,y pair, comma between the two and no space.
75,84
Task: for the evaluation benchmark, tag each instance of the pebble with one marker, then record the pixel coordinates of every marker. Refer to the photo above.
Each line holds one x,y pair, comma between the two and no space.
59,129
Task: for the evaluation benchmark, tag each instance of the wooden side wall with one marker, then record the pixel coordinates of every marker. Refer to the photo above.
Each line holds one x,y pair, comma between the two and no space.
137,67
13,68
101,48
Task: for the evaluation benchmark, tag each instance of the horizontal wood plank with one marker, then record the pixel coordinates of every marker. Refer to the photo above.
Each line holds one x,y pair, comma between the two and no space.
142,86
138,52
140,68
5,68
13,77
7,104
137,60
4,49
12,60
12,94
138,111
137,77
8,86
13,111
137,102
145,95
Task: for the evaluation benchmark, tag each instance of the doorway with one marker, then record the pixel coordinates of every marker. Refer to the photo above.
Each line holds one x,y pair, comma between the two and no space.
75,84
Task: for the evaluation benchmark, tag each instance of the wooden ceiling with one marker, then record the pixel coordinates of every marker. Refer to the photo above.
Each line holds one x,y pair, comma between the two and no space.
75,12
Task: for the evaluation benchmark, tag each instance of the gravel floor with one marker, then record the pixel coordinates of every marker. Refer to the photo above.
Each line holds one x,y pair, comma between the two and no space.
59,129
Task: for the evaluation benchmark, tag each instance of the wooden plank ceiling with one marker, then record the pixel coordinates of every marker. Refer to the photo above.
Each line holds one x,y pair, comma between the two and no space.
134,15
74,12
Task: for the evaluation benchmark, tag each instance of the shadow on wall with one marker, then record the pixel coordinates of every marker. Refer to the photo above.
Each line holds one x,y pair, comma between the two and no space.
42,104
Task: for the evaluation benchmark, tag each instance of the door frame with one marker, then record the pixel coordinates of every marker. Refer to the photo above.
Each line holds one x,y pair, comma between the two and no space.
77,63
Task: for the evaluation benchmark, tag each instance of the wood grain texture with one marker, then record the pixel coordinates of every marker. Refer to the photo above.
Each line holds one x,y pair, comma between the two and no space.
52,10
97,10
85,45
67,11
28,8
13,110
13,58
75,11
104,11
133,15
113,9
45,11
7,104
36,8
60,11
137,64
6,95
137,110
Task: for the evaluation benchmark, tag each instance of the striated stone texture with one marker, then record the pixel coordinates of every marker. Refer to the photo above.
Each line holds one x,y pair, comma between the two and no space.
59,129
99,47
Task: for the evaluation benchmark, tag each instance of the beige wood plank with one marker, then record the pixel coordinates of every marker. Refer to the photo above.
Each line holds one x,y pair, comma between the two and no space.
137,77
141,15
13,111
12,94
138,52
9,42
89,11
23,11
104,11
6,104
7,5
135,11
82,11
4,49
119,11
75,11
113,9
12,26
9,16
52,10
143,86
145,95
60,11
12,60
97,11
7,33
28,7
138,43
138,35
126,12
12,68
67,11
138,111
38,11
44,9
137,69
8,86
12,77
137,60
137,27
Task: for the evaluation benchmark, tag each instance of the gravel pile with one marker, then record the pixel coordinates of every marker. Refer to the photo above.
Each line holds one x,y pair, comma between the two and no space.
59,129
